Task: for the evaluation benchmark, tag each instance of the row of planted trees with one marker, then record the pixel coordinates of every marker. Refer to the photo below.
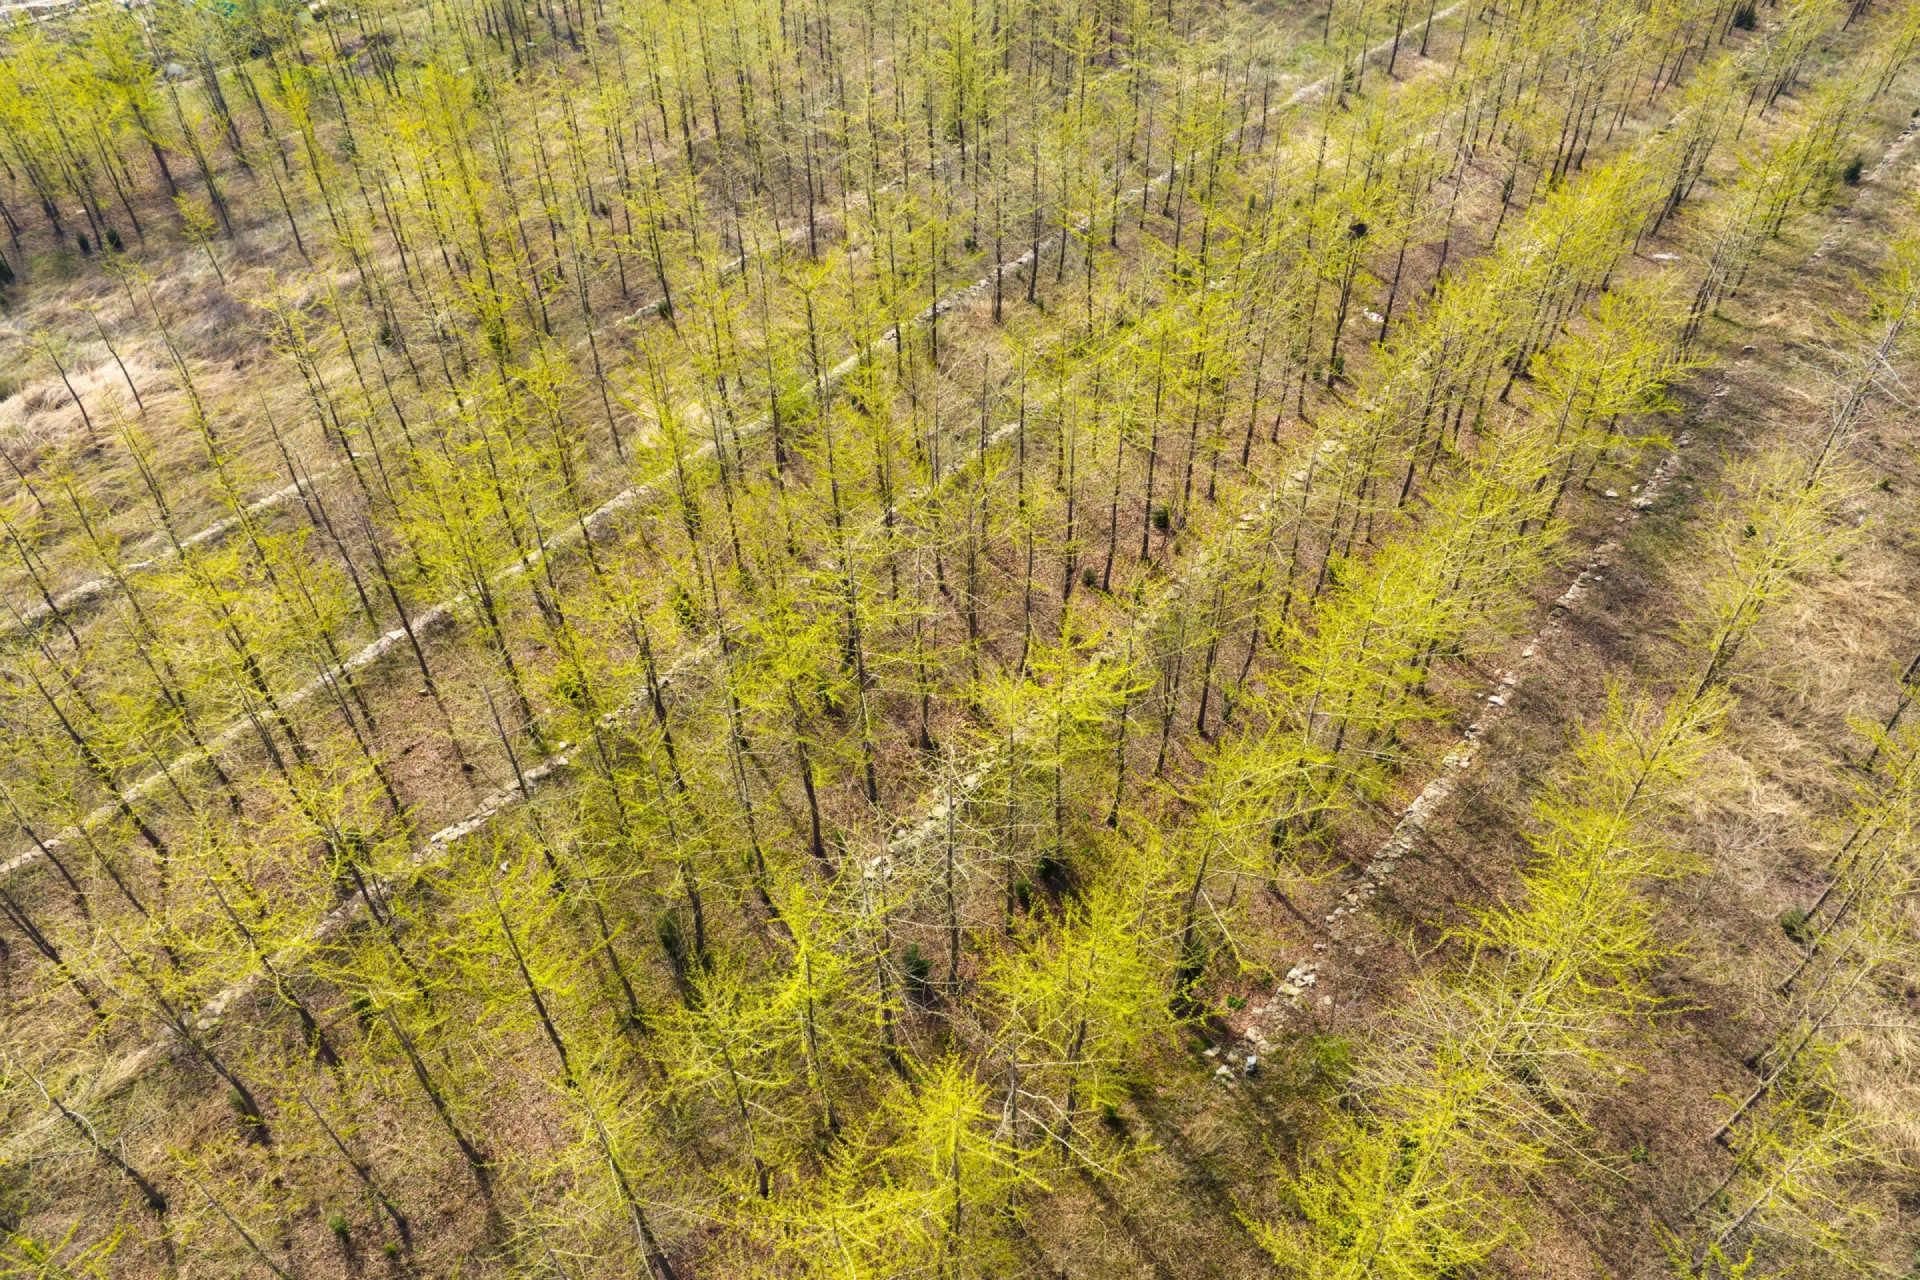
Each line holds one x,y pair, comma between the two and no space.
808,607
1490,1073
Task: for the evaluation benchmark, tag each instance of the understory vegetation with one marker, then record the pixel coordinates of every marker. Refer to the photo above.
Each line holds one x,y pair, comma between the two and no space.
1061,638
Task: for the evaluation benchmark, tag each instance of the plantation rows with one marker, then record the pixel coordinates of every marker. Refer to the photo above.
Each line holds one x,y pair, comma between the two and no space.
689,640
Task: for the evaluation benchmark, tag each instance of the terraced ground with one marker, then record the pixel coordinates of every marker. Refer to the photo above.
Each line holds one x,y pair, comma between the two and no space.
969,640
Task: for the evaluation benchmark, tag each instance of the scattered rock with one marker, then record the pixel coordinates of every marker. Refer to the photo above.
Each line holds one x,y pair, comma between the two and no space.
1253,1064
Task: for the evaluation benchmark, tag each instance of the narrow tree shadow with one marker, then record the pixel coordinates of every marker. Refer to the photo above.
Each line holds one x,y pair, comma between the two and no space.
1117,1212
1200,1172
